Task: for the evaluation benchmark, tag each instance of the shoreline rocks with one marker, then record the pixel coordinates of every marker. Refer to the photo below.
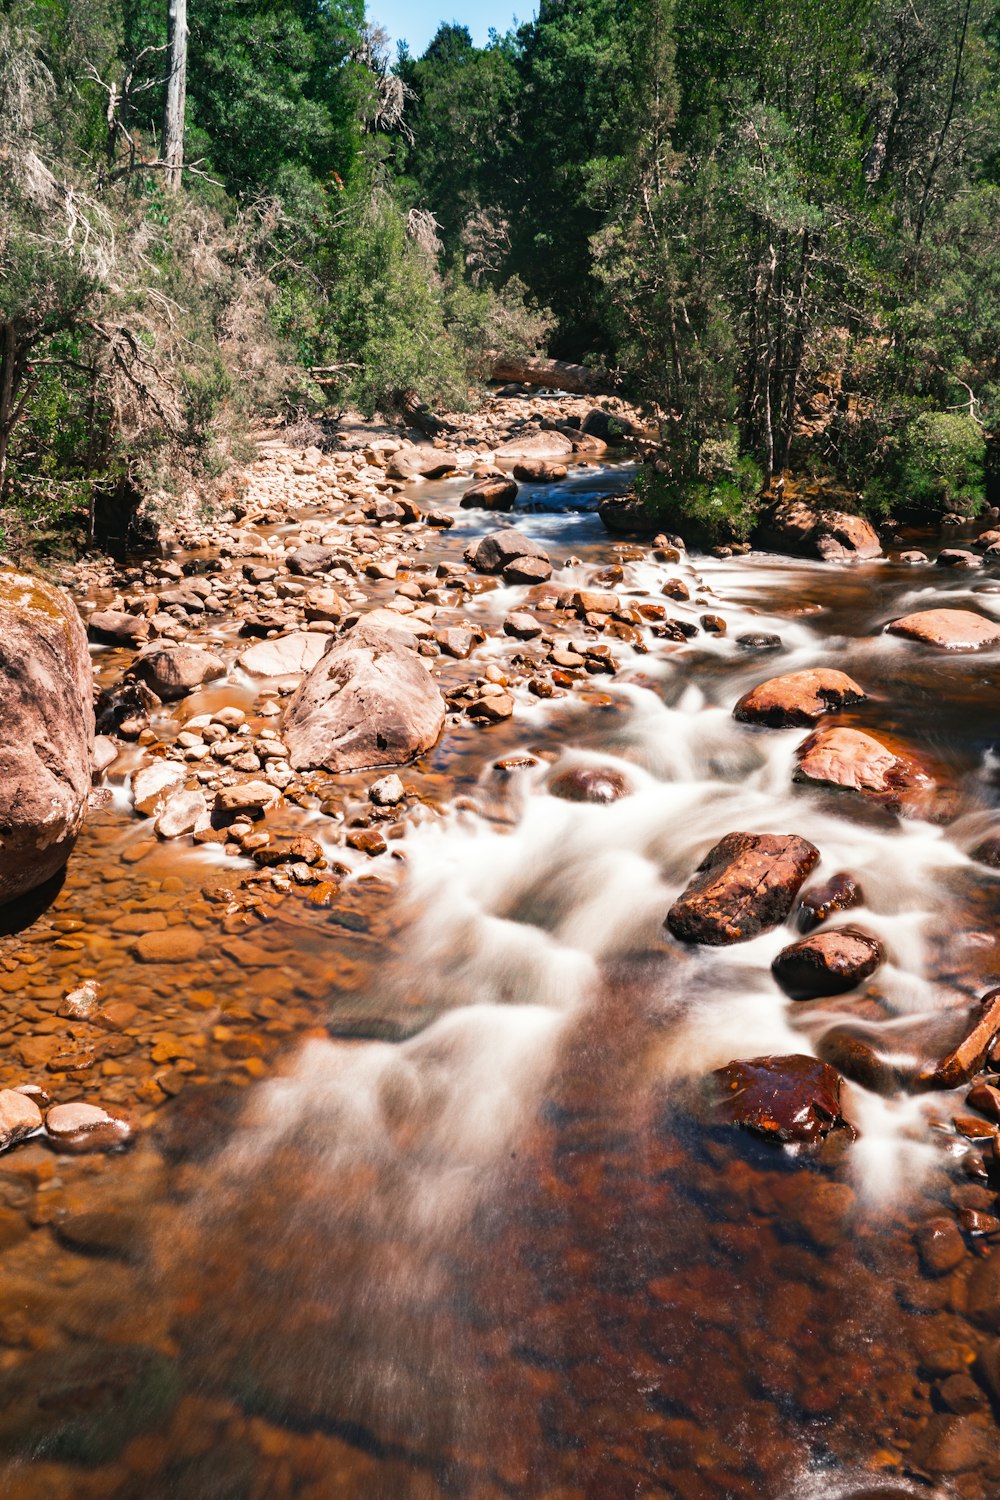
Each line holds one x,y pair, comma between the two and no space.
46,753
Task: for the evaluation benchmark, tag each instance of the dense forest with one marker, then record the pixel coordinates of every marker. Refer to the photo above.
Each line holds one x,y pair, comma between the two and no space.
775,225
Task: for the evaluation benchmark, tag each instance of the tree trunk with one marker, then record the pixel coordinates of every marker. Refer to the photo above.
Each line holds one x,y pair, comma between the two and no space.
7,352
578,380
173,113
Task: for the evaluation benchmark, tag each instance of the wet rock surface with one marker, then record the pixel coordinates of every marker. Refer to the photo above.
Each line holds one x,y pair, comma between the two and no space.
948,629
746,884
800,698
830,962
790,1100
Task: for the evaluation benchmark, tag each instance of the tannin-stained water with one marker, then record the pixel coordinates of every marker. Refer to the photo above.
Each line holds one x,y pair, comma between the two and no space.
474,1230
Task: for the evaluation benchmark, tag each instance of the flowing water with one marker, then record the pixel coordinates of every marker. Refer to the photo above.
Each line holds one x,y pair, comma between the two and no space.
431,1203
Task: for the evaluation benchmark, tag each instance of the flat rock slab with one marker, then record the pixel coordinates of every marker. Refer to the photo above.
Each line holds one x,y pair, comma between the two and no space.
745,885
798,698
285,656
793,1099
948,629
370,701
830,962
858,762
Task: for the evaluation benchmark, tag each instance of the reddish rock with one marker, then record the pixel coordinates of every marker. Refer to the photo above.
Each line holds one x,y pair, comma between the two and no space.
19,1117
370,701
746,884
840,893
986,1098
311,558
963,1061
794,1099
948,629
113,627
953,1445
590,784
984,1293
856,761
830,962
900,1054
47,737
528,570
523,627
456,641
422,463
955,557
798,698
539,471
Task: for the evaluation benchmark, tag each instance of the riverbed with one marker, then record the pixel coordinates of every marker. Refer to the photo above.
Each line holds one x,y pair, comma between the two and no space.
426,1199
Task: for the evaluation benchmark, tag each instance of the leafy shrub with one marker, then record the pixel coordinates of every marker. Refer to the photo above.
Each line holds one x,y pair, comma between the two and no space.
943,463
718,503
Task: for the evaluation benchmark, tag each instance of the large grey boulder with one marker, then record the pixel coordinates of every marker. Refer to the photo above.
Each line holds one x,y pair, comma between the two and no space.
46,731
369,701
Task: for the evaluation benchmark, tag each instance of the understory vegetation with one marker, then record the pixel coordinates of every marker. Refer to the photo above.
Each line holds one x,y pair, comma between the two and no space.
775,225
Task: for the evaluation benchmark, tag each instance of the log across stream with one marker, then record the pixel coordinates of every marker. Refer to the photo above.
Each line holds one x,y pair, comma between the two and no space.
431,1197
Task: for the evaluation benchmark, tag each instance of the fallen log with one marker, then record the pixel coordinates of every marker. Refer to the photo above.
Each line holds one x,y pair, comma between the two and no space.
578,380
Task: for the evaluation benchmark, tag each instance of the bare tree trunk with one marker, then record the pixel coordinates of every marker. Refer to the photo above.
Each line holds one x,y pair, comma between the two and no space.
579,380
173,113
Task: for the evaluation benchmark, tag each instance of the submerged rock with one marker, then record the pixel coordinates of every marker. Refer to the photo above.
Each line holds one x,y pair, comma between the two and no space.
47,741
830,962
948,629
590,784
793,1099
798,698
746,884
369,701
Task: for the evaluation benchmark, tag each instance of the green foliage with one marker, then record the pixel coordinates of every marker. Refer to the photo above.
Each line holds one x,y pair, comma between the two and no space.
942,463
716,501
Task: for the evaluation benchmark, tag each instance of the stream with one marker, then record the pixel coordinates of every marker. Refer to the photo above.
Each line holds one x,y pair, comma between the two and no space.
429,1202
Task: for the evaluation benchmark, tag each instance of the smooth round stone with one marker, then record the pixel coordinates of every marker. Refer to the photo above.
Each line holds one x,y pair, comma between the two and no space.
80,1127
590,784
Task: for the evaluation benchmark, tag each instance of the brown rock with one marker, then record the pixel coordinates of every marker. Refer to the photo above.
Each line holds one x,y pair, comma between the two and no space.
859,762
590,784
490,494
311,558
528,570
840,893
370,841
19,1117
746,884
830,962
984,1293
523,627
422,463
81,1127
177,945
986,1098
492,708
967,1058
889,1056
539,471
812,530
794,1099
456,641
798,698
113,627
47,738
153,784
940,1246
953,1445
285,655
493,553
173,671
948,629
536,445
246,796
369,701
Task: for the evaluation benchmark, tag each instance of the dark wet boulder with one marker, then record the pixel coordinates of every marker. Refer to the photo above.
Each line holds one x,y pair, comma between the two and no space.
607,426
819,902
798,698
948,629
590,784
956,557
810,529
370,701
914,1053
47,740
830,962
626,515
968,1055
528,570
491,493
746,884
987,852
495,552
790,1100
